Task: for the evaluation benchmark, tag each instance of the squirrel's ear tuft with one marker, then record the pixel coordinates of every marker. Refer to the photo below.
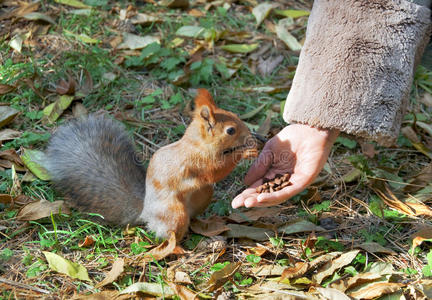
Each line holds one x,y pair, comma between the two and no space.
204,107
204,97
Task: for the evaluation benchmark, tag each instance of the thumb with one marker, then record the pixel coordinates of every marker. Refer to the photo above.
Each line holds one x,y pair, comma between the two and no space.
260,166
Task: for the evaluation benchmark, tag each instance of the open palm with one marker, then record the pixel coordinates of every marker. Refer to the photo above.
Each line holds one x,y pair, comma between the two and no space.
298,149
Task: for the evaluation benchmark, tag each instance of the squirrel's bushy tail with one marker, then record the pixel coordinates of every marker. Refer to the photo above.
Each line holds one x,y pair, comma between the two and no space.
93,163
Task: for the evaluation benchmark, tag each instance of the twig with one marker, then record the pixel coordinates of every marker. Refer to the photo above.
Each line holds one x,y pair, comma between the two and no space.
23,286
147,140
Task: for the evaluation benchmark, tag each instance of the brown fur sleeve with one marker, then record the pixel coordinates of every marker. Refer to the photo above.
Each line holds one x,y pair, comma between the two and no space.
357,65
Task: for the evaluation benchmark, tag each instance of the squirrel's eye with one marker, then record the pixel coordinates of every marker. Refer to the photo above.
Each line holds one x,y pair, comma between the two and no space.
230,130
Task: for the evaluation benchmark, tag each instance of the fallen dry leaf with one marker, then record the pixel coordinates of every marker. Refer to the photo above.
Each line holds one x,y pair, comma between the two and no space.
196,13
79,110
12,156
212,226
21,200
182,277
373,247
330,267
182,292
150,288
9,134
268,270
362,278
66,86
116,270
7,115
144,19
265,126
16,183
368,149
425,233
41,209
163,250
250,232
261,11
254,214
420,180
5,198
420,209
298,270
333,294
133,41
376,289
183,4
105,295
409,133
299,225
219,278
384,192
6,88
343,284
426,99
267,66
88,241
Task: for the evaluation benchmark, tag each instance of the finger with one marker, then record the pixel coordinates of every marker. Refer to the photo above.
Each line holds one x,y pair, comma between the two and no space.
260,166
238,201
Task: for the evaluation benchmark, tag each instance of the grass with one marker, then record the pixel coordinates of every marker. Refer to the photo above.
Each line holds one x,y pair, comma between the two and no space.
150,91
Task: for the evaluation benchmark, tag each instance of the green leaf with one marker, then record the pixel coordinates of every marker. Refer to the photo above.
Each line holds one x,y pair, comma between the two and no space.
286,37
323,206
150,50
6,254
138,248
64,266
348,143
32,160
73,3
292,13
34,16
252,113
170,63
253,258
82,37
53,111
176,98
240,48
427,271
191,31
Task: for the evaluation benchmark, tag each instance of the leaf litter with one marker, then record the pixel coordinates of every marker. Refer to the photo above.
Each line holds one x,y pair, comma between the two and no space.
269,252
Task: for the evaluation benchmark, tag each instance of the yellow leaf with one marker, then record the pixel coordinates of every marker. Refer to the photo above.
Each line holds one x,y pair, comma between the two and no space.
64,266
73,3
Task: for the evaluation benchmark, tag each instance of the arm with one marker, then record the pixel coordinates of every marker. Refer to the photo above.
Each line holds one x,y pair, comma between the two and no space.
354,75
357,66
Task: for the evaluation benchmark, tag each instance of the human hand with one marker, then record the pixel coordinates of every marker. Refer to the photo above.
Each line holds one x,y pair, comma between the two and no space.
298,149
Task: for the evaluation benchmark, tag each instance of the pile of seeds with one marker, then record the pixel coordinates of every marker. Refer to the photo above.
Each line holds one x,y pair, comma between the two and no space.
276,184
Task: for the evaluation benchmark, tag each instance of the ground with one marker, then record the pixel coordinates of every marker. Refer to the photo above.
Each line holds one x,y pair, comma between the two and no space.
361,231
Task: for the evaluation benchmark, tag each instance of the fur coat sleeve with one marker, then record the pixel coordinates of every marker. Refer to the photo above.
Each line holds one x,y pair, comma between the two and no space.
356,66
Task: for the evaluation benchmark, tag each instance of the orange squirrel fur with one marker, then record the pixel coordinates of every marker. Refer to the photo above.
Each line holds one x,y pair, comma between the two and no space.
92,162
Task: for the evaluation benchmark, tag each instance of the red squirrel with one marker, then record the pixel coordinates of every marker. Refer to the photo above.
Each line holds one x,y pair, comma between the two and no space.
92,162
